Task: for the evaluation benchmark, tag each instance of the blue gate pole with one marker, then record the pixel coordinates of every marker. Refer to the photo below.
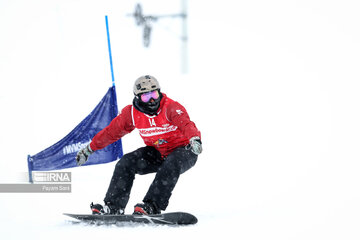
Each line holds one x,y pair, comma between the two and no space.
109,47
30,168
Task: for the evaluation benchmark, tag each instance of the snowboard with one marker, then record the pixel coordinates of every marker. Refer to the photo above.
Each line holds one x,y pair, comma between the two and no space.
171,218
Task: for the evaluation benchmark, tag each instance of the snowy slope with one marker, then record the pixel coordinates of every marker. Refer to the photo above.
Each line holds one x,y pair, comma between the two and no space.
272,85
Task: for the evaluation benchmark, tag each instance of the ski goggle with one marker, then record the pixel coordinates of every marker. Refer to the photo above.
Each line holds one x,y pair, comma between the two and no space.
145,97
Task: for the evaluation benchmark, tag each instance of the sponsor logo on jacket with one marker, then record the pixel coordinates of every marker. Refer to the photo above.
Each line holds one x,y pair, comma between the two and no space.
160,142
148,132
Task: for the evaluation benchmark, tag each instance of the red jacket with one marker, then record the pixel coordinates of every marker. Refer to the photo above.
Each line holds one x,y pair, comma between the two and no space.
169,129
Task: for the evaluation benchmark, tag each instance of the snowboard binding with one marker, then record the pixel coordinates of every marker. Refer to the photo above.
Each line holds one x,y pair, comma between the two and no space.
107,209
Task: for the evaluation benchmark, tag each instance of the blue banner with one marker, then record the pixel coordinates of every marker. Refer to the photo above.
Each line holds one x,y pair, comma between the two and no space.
62,154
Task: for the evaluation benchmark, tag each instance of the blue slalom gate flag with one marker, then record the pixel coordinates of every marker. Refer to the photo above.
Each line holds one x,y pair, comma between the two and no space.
62,154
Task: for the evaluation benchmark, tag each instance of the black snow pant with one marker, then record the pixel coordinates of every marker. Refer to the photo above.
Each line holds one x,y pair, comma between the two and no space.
148,160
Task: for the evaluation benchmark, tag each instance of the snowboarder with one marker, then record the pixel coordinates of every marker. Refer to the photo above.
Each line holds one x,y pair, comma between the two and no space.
172,141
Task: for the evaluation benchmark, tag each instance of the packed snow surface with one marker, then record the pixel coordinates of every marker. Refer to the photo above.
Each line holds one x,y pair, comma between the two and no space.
272,85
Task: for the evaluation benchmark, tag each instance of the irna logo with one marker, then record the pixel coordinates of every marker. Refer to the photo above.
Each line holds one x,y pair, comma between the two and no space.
52,176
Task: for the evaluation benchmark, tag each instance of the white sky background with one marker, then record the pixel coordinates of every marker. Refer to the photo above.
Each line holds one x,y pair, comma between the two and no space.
272,85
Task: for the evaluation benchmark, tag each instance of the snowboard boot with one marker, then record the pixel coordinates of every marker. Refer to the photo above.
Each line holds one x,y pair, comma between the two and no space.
107,209
146,208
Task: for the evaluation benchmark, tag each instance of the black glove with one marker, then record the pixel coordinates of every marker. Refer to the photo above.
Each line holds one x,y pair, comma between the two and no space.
196,145
83,155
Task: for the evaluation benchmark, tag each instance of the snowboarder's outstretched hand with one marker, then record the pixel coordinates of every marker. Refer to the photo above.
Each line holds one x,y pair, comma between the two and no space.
83,155
195,145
